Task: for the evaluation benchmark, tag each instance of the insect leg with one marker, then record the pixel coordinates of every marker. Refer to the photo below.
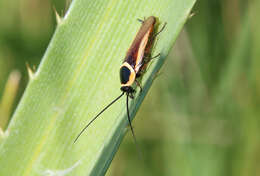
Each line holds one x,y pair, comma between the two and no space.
140,20
147,59
139,85
158,55
160,30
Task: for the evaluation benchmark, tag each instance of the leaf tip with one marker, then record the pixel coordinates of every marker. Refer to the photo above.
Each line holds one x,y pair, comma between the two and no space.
191,15
58,17
3,134
30,72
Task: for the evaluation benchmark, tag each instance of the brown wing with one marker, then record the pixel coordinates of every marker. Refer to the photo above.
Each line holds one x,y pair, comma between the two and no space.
136,51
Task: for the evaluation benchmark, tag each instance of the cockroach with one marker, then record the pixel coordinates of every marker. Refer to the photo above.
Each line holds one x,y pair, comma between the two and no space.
134,65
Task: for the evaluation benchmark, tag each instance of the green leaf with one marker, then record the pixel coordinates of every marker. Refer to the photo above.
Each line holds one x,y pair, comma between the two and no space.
77,77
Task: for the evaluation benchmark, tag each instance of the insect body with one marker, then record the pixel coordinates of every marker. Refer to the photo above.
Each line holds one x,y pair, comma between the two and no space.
135,62
135,58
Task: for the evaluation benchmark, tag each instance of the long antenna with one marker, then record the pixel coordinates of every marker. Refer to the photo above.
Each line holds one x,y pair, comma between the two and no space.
129,120
131,127
98,116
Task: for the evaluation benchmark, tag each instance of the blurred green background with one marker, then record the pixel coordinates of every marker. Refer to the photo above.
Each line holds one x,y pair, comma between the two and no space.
201,116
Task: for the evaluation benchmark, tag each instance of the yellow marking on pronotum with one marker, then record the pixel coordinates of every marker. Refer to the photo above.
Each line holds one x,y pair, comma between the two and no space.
132,74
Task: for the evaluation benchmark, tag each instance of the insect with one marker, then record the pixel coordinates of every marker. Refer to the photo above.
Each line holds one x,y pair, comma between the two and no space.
134,65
